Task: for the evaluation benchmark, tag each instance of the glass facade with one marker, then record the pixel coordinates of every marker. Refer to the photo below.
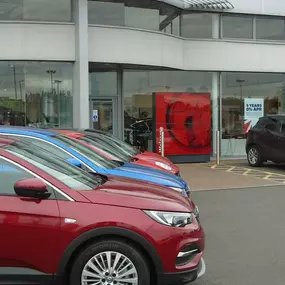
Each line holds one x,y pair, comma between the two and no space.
270,29
237,27
35,10
235,88
36,94
252,27
197,25
148,15
139,88
103,84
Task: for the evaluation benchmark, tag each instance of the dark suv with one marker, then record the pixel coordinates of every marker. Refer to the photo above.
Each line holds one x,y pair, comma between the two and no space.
266,141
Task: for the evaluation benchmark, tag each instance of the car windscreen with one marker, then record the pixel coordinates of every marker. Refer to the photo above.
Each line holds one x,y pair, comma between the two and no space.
124,147
72,176
107,148
90,154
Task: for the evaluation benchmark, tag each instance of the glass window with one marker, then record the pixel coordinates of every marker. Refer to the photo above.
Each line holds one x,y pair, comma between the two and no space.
237,27
9,175
97,159
271,126
136,14
108,149
103,84
36,94
235,88
270,29
140,88
35,10
106,13
197,25
72,176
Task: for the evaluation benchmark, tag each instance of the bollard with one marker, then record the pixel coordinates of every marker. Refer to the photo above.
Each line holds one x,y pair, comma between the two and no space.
161,129
218,154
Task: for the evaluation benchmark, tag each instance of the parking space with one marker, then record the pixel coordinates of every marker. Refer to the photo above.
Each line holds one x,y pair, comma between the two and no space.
208,177
269,172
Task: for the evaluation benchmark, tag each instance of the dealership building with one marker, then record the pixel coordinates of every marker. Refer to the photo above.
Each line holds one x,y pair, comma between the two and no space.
144,68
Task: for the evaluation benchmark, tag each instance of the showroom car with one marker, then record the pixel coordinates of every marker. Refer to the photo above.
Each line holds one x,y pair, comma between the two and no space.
266,140
50,234
85,157
110,152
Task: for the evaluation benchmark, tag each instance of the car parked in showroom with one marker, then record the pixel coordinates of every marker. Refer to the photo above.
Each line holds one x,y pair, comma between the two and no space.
113,152
70,149
266,141
62,225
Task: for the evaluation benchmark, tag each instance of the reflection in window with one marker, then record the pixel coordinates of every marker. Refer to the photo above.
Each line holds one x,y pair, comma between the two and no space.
235,88
237,27
270,29
103,84
197,25
35,10
145,14
139,87
36,94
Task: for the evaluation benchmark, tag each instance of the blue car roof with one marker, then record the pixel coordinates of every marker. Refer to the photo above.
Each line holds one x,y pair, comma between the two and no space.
30,130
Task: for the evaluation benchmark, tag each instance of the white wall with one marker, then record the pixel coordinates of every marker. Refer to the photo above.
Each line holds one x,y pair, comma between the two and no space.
270,7
120,45
24,41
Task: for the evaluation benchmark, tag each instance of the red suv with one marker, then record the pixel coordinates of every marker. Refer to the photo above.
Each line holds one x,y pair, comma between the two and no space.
62,225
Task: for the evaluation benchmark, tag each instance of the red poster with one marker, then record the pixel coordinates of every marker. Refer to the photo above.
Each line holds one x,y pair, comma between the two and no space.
186,119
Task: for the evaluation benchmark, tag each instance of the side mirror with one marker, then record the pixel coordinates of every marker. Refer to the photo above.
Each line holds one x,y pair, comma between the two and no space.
32,188
74,162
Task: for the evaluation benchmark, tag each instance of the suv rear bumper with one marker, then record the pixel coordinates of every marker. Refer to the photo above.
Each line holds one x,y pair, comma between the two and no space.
183,278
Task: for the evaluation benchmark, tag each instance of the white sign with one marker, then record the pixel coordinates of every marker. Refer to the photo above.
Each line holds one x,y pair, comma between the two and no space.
95,116
253,110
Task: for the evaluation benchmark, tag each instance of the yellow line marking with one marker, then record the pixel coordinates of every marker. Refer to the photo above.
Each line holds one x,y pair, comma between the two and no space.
230,169
214,166
267,176
246,172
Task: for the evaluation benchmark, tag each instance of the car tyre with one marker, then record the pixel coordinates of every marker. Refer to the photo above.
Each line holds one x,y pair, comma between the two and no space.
254,156
106,261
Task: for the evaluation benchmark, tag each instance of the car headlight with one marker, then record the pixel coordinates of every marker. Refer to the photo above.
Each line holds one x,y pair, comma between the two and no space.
163,165
171,219
196,213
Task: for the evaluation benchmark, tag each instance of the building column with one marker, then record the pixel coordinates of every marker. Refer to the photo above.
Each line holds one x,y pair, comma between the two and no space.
81,67
120,103
215,108
215,86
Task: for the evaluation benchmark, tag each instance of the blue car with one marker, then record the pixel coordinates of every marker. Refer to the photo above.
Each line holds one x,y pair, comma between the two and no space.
80,155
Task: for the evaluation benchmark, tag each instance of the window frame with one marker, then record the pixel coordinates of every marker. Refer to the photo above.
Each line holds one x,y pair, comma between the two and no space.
57,193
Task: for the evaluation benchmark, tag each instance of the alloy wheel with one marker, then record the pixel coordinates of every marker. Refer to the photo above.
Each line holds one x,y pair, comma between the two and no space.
109,268
253,156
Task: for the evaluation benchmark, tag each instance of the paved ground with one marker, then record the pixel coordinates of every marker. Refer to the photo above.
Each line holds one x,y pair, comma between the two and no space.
268,166
201,177
245,231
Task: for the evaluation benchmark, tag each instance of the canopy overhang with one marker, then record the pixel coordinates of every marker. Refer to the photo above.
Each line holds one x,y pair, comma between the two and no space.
200,4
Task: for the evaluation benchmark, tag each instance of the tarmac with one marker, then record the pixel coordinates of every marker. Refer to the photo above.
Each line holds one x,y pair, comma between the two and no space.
205,176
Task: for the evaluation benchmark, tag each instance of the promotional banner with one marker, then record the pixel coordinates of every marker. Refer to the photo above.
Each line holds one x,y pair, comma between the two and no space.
186,121
253,110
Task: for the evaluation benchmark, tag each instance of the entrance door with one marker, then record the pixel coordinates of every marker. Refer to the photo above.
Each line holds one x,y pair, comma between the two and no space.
103,114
